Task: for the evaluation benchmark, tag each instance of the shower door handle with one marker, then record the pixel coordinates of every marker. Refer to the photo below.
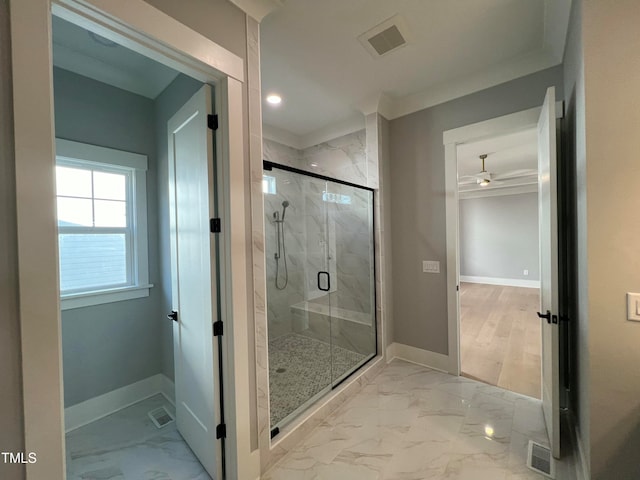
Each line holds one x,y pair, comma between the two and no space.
328,281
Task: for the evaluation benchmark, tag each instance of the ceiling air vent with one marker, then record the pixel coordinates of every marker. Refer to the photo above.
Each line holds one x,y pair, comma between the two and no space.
385,37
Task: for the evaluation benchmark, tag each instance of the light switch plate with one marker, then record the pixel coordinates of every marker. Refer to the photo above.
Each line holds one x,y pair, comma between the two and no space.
433,266
633,307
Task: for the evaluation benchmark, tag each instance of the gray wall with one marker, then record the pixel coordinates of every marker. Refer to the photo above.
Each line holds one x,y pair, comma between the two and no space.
111,345
11,430
165,105
574,208
499,236
418,207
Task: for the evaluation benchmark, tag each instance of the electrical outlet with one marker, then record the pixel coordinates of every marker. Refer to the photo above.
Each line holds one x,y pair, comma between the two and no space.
525,272
430,266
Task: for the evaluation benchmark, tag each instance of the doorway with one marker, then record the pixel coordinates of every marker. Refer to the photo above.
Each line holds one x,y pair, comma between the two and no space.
131,131
146,31
544,121
500,333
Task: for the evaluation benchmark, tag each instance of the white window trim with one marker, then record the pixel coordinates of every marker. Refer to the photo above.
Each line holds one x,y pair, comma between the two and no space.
76,151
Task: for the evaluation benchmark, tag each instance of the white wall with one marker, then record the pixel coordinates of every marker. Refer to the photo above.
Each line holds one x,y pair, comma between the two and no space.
499,237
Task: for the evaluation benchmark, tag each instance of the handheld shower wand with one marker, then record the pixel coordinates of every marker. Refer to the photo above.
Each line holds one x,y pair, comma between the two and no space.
282,248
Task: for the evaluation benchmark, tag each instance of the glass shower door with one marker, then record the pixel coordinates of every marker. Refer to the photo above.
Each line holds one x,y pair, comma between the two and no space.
351,263
298,300
321,307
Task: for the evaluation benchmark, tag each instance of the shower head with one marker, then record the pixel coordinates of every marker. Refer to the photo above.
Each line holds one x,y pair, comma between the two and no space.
285,204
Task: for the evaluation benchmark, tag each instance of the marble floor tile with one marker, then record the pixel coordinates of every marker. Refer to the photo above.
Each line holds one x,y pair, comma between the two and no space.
128,446
413,423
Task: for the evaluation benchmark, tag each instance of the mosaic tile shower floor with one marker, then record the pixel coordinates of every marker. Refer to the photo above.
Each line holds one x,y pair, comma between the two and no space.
301,367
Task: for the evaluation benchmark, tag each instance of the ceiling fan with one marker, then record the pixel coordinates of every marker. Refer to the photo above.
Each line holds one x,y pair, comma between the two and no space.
485,178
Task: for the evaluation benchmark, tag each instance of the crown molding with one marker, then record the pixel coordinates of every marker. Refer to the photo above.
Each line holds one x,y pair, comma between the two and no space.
498,191
451,90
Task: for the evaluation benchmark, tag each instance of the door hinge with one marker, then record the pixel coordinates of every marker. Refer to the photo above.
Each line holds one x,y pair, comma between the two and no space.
221,431
215,225
212,121
217,328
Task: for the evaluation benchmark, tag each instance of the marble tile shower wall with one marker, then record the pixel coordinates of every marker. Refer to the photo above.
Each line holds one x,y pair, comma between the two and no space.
353,250
289,188
334,231
343,158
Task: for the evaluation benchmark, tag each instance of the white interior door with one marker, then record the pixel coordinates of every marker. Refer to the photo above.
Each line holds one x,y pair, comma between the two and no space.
548,218
191,190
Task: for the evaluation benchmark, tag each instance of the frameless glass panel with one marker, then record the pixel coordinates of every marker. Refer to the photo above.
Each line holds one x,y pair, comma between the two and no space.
92,260
73,182
110,213
75,212
297,293
109,186
351,258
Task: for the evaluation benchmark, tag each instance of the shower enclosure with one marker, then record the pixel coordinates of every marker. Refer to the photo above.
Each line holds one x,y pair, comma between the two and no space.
320,285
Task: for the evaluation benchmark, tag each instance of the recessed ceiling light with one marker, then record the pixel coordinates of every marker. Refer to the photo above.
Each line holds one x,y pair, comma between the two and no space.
274,99
314,164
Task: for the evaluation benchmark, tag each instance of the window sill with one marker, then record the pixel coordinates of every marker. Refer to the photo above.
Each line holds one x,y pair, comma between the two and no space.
99,297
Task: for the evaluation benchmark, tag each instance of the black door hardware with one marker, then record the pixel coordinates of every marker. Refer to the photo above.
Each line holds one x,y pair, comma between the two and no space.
328,281
548,317
173,316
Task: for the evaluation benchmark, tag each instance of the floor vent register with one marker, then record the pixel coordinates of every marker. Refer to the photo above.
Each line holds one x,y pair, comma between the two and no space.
539,459
160,417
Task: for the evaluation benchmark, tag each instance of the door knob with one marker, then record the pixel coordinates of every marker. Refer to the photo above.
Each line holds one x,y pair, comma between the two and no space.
173,316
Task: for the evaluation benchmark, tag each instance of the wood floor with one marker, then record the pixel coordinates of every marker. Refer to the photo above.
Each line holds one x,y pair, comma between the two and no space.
500,339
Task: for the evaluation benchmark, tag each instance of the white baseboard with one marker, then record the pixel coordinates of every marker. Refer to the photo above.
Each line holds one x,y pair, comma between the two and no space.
96,408
168,389
507,282
426,358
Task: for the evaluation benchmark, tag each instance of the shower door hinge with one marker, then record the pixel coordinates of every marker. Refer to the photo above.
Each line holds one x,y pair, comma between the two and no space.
221,431
212,121
215,225
217,328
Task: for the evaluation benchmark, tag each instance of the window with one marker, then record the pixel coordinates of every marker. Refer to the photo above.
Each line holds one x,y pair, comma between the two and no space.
102,224
269,184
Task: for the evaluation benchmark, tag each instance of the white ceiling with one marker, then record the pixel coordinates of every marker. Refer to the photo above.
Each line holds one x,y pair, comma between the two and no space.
75,50
506,153
312,57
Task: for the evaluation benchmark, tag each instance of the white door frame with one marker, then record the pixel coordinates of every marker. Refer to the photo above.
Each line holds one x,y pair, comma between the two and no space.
504,125
145,29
